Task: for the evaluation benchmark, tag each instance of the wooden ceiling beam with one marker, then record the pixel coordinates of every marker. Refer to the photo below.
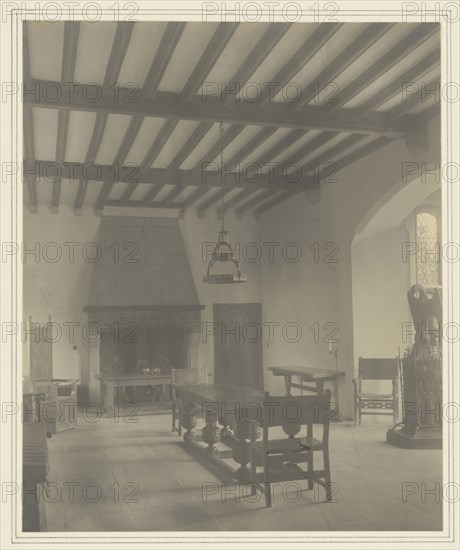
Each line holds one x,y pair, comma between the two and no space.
261,51
169,106
402,49
117,54
303,55
307,149
252,202
212,200
194,197
395,87
208,59
314,181
125,174
69,56
28,127
168,43
244,194
249,147
257,56
278,148
351,53
416,100
331,154
152,193
98,132
169,199
229,135
197,135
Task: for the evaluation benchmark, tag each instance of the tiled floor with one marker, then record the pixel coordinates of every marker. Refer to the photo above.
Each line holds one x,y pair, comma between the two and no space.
138,477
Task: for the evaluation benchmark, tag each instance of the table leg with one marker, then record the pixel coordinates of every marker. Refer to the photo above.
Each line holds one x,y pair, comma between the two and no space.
211,433
225,431
336,399
188,421
287,383
242,451
109,399
319,387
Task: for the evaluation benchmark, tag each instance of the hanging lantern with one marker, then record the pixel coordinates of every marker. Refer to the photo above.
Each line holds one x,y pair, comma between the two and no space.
223,251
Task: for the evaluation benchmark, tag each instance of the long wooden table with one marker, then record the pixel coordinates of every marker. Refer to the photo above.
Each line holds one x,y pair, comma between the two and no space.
223,404
310,375
129,380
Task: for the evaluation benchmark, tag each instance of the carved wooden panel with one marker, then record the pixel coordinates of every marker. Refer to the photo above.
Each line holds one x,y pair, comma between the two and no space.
41,358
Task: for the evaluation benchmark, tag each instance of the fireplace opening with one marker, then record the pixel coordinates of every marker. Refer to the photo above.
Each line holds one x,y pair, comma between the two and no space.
138,350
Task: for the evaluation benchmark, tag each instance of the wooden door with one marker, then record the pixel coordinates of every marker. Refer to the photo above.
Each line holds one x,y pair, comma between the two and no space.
238,344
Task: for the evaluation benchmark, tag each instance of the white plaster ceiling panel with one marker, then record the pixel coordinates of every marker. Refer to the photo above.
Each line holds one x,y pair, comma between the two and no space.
417,88
285,49
183,195
142,48
45,123
164,192
367,60
192,44
397,72
141,190
326,55
276,137
94,46
237,50
310,158
306,138
114,132
211,193
144,139
81,126
240,141
176,140
46,42
203,147
338,156
117,190
69,190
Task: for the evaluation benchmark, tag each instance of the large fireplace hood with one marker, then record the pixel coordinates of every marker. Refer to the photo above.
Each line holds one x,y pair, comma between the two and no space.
142,263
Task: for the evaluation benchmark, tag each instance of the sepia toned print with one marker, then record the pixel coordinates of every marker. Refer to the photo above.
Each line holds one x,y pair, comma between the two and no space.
235,262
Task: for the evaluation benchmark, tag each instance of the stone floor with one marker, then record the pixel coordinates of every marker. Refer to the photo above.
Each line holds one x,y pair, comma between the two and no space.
136,476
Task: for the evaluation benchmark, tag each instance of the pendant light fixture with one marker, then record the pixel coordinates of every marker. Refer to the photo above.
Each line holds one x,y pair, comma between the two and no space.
223,251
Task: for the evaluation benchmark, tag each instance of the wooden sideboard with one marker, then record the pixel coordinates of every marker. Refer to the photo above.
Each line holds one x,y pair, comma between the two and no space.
125,380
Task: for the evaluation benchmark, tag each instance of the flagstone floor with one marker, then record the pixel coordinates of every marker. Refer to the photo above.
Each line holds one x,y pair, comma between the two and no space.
123,476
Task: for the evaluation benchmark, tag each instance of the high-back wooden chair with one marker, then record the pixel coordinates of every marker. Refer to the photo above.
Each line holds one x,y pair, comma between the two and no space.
386,404
281,457
184,377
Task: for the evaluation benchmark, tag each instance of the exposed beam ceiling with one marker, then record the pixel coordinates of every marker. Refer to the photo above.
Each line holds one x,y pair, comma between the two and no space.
172,160
172,108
